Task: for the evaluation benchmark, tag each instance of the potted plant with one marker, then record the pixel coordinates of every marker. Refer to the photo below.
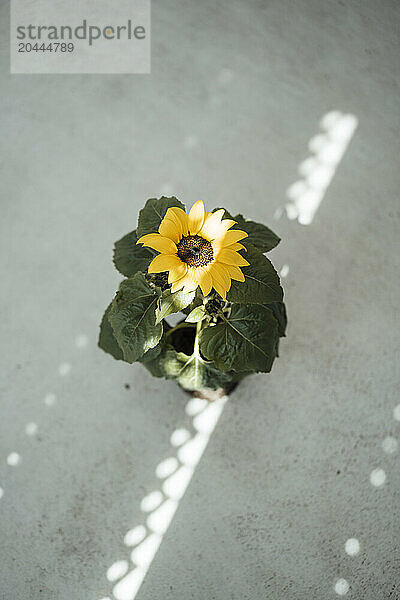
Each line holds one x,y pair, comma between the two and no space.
210,267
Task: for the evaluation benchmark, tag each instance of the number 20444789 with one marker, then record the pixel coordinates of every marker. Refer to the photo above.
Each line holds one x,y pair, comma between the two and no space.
51,47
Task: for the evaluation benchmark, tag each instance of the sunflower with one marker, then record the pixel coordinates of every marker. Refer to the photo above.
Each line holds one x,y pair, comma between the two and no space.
198,249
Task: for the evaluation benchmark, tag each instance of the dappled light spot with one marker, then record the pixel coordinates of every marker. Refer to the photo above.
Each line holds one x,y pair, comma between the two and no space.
13,459
389,444
343,129
377,477
330,153
81,341
64,369
310,202
297,189
320,177
291,212
117,570
166,467
308,166
135,535
31,428
396,412
284,272
175,486
191,452
50,399
151,501
1,492
341,587
317,143
179,437
195,405
352,546
330,119
144,553
207,419
128,587
159,520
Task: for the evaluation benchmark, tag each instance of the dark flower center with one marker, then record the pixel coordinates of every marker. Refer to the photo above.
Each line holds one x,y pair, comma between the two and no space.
195,251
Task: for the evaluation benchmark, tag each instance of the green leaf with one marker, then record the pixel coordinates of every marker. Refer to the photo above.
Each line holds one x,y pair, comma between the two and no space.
166,364
191,372
278,309
152,353
260,236
107,341
133,317
261,283
130,258
173,303
197,374
153,213
196,315
244,342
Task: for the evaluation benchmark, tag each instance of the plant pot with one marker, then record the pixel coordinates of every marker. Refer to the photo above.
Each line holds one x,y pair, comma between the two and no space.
180,359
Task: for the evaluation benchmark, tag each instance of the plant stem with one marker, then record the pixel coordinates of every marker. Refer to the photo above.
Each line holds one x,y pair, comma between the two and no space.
196,349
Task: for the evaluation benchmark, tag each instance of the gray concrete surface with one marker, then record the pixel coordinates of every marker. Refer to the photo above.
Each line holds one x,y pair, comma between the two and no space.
237,89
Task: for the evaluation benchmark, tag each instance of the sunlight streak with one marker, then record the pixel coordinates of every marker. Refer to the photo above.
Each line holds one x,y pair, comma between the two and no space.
328,148
159,506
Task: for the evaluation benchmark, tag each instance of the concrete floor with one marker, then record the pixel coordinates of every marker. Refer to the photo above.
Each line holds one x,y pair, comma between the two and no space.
237,90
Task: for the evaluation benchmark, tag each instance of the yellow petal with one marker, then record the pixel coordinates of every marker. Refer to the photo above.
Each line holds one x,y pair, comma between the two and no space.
220,243
219,289
220,278
212,226
232,236
177,272
183,218
230,257
163,262
159,243
170,215
235,272
196,217
169,230
227,223
237,247
223,272
205,280
189,281
178,285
